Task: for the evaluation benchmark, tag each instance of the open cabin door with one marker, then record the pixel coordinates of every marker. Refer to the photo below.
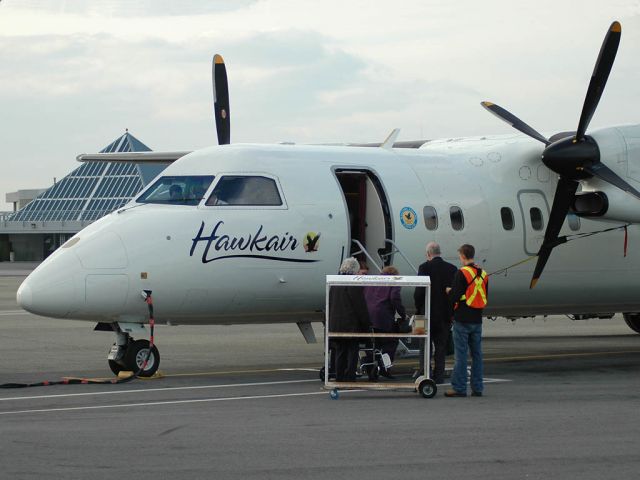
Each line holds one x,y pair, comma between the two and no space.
368,215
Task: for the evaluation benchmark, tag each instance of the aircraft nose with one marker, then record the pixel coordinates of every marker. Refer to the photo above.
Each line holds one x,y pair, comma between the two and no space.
24,295
52,289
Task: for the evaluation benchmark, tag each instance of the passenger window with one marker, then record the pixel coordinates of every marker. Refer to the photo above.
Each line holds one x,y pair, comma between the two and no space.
507,218
536,218
574,222
245,190
430,218
177,190
457,219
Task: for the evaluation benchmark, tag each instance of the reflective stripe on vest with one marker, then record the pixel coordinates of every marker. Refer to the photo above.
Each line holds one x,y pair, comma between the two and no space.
476,294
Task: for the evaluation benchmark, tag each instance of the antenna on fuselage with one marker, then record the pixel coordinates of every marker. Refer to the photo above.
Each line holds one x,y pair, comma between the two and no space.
391,139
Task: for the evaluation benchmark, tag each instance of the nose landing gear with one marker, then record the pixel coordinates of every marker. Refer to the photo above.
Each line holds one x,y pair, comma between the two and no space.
128,354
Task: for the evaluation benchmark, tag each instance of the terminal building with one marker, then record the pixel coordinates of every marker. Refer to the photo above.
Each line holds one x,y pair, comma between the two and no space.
43,220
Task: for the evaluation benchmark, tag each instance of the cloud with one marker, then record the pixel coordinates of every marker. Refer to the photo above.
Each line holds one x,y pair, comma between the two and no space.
127,8
74,74
64,95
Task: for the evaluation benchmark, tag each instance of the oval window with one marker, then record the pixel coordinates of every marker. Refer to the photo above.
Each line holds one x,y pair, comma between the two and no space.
430,218
536,218
457,219
507,218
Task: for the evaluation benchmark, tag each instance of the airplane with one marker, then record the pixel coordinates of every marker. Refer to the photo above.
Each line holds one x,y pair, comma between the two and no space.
246,233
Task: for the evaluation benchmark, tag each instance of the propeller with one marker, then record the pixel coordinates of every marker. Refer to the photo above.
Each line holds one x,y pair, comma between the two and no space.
573,156
221,100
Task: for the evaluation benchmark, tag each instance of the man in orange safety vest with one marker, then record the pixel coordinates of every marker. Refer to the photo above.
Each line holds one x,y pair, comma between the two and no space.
469,296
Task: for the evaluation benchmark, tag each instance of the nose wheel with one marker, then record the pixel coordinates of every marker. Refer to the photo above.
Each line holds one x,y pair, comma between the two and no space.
133,357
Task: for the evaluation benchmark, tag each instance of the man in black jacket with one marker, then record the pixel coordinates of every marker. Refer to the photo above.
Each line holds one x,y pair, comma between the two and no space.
441,273
347,314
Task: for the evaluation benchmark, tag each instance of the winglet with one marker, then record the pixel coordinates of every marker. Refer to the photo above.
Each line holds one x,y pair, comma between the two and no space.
391,139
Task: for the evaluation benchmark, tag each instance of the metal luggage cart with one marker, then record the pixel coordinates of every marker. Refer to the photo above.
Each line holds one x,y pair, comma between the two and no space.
424,385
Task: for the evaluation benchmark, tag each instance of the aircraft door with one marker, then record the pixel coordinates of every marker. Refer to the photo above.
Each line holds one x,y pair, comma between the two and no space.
535,215
369,219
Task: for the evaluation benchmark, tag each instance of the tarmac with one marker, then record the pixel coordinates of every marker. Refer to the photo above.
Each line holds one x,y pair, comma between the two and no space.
561,401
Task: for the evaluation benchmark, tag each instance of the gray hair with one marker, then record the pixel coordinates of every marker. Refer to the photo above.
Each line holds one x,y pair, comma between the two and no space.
350,266
433,249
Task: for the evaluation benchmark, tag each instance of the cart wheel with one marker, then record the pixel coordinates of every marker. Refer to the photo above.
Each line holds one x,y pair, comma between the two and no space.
334,394
322,374
427,388
373,372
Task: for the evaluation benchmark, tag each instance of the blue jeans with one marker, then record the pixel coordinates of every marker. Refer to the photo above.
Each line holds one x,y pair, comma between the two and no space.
467,336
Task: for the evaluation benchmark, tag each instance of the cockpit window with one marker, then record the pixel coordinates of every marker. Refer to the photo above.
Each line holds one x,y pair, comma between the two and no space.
179,190
245,190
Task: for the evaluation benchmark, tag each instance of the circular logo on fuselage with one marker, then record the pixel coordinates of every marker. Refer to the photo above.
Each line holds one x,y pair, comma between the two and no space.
408,218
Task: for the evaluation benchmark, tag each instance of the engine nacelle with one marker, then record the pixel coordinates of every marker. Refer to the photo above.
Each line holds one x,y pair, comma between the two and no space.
620,151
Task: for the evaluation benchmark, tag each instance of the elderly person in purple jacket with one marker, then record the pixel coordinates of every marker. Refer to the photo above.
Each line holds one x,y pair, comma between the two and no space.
383,303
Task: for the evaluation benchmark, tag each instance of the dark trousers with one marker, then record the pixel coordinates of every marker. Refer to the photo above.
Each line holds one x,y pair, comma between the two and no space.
385,345
346,359
440,331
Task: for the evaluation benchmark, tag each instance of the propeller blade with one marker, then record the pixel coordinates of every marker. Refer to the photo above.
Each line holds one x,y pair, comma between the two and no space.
221,100
603,172
560,136
514,121
565,192
599,77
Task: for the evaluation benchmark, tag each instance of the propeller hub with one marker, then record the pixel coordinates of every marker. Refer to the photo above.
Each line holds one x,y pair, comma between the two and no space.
572,159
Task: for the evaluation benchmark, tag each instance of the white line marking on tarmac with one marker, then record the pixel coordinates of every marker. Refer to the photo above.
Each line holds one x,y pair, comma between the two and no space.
172,402
13,312
180,402
164,389
298,369
198,387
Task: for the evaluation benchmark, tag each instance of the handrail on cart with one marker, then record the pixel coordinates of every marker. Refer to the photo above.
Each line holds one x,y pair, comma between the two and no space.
397,250
364,251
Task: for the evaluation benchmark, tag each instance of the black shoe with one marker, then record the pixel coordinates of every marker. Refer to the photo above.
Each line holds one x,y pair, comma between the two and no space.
476,394
453,393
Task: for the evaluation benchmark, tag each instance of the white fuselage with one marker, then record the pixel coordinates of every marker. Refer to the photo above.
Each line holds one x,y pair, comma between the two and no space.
239,264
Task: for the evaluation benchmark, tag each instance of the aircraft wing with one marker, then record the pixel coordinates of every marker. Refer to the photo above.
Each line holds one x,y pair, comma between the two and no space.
132,157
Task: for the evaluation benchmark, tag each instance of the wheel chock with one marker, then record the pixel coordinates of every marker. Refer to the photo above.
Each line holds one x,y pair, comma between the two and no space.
155,376
125,374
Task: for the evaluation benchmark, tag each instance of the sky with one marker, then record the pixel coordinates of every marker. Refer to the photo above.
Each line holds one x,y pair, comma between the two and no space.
75,73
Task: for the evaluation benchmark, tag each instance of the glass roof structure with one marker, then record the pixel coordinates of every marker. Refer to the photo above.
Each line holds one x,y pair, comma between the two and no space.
93,189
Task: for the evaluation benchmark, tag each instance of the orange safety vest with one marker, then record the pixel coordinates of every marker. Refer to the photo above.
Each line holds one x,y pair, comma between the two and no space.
476,294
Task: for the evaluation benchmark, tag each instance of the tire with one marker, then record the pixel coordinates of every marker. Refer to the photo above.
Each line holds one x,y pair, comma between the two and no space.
135,355
373,372
321,374
427,388
115,367
633,321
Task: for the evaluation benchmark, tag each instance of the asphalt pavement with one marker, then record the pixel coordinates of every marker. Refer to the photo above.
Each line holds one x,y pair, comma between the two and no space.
561,401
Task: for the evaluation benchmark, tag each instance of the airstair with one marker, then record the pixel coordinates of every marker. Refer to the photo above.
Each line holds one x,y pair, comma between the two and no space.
406,347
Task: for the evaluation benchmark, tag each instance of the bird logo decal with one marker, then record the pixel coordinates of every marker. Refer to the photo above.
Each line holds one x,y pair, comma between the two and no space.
311,242
408,218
